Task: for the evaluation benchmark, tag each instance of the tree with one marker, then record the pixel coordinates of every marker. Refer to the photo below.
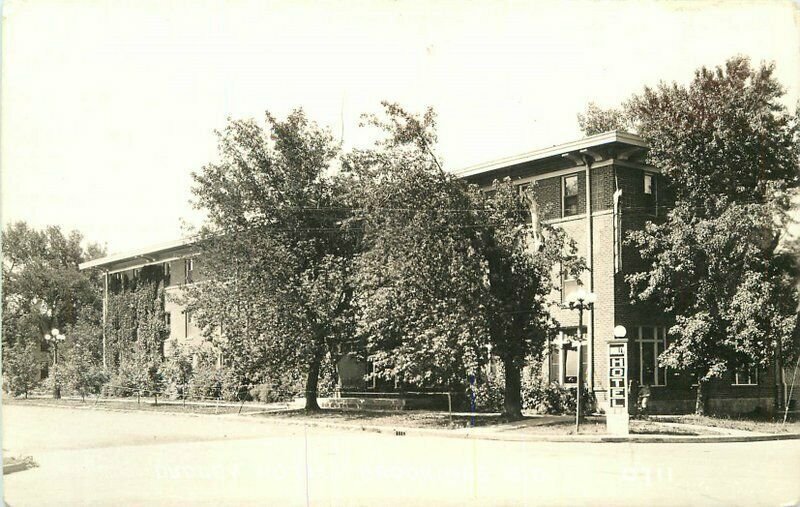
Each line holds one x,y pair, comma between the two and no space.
83,370
20,367
276,251
42,286
447,275
596,120
519,263
729,149
417,274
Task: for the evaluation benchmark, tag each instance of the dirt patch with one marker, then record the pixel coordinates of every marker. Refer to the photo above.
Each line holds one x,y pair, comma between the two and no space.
742,424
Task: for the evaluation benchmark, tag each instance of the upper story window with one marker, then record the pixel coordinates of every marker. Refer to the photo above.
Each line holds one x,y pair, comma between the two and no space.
568,286
189,268
569,194
648,184
167,273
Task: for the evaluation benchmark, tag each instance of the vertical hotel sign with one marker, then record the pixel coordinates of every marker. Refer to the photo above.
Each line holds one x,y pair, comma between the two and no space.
617,416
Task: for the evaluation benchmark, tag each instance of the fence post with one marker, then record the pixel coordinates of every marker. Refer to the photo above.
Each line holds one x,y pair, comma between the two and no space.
449,409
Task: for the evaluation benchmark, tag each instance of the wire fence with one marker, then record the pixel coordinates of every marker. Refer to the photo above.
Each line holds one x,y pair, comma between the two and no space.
284,399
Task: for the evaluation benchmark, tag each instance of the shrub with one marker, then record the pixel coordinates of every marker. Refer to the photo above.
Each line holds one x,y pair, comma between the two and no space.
205,383
20,368
489,394
550,397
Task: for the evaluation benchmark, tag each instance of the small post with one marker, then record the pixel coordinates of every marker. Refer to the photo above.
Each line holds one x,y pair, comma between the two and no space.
578,401
449,408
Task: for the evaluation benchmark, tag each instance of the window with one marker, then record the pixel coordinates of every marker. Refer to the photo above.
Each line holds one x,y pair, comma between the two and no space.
167,273
570,195
168,320
187,318
648,184
568,286
563,361
652,342
189,268
746,376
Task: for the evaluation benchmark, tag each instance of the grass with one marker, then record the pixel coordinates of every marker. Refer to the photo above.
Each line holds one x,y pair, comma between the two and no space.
758,425
409,418
145,405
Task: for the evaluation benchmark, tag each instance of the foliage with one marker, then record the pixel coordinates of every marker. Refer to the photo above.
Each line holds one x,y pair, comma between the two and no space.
42,287
596,120
275,250
176,370
730,150
446,273
519,262
487,393
416,274
138,374
135,324
82,369
546,397
20,367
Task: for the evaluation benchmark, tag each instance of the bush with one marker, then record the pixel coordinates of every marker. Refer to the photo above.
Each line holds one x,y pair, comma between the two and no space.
205,383
550,397
20,368
488,394
554,398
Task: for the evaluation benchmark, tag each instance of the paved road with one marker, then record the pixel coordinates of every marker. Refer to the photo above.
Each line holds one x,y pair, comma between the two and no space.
93,457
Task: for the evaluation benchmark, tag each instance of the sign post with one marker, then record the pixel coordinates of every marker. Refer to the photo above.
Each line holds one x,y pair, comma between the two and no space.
617,417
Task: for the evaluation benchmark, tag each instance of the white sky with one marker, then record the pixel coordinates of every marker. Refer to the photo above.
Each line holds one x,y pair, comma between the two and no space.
107,107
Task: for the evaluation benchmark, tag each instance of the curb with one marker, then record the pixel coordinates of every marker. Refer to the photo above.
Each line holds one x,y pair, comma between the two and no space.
498,436
466,435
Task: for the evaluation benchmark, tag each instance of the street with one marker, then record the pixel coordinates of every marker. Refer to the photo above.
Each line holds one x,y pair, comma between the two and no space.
95,457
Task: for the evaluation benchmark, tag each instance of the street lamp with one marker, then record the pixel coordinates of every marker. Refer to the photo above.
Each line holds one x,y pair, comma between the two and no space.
580,300
54,337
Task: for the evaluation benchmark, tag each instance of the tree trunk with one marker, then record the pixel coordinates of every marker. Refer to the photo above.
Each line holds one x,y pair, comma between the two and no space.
311,384
700,402
512,402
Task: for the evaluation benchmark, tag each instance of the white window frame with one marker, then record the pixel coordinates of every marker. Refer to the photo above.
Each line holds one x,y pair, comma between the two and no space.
645,177
750,376
659,336
559,344
564,280
564,194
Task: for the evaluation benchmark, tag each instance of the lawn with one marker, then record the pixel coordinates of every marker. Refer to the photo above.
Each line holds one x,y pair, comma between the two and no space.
408,418
144,404
759,425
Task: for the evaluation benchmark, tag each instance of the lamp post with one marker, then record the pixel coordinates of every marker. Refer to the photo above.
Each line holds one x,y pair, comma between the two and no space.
55,337
580,300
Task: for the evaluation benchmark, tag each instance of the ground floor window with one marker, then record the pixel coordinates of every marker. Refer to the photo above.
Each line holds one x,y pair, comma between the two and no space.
563,360
652,342
746,376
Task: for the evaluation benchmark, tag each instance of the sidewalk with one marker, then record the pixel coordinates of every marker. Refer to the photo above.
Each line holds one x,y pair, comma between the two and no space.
512,432
508,432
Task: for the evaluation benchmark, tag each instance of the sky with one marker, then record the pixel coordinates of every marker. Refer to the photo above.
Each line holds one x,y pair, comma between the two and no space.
109,106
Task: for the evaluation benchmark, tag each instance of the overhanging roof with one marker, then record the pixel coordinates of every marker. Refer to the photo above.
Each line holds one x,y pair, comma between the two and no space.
182,247
143,256
614,136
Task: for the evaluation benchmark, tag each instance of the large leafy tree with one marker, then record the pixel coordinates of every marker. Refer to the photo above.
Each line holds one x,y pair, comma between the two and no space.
42,286
729,149
276,251
519,263
418,275
448,276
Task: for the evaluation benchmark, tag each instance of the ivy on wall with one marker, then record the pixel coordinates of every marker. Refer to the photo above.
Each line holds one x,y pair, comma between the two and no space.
136,327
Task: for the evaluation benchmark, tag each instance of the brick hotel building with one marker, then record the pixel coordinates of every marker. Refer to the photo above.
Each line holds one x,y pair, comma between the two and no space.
596,189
